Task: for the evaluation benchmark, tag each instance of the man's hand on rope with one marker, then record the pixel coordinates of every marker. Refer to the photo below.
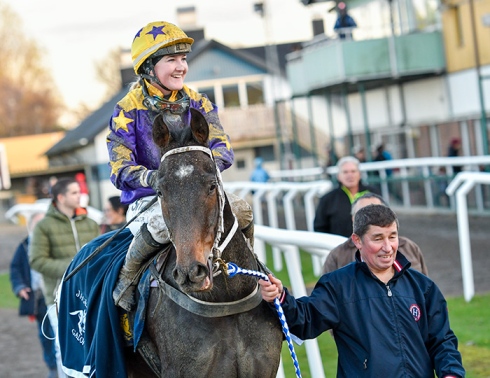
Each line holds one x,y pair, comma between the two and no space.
271,290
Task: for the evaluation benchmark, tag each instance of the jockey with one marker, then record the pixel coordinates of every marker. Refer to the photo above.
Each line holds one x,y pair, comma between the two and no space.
159,53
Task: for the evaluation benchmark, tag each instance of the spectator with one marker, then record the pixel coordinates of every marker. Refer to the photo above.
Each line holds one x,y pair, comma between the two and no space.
333,214
345,23
383,155
26,284
259,174
114,214
56,239
388,320
345,253
360,154
454,150
84,196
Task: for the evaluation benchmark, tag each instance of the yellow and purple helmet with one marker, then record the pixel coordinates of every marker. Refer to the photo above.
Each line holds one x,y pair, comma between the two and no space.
158,39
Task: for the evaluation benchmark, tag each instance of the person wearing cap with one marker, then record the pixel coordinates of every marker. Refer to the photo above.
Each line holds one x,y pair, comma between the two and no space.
159,54
387,320
345,23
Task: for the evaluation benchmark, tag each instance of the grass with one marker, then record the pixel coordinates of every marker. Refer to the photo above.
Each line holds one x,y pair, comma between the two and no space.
469,322
7,297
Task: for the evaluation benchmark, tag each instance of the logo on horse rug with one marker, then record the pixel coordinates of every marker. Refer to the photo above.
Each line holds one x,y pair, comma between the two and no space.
82,315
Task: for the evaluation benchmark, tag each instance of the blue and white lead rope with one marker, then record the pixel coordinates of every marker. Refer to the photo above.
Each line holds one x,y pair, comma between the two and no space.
233,270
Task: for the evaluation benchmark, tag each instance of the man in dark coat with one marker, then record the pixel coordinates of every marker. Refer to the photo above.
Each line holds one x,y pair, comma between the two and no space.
26,284
333,214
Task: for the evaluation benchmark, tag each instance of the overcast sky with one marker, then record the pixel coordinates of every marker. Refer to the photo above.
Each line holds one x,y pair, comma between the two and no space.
75,35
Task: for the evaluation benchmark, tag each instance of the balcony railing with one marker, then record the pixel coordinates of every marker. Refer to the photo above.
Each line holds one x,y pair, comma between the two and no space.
333,62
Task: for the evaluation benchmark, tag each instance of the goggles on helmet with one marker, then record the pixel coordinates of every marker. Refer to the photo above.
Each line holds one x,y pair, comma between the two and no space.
159,104
178,107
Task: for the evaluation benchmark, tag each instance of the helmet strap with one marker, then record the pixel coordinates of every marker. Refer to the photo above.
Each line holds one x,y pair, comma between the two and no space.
148,73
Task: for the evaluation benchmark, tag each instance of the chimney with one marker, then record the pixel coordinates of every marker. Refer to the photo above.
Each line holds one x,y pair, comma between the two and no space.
187,20
126,64
318,26
187,17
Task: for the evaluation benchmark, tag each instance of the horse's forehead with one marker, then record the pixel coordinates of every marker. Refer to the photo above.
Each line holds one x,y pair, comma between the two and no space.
183,170
185,165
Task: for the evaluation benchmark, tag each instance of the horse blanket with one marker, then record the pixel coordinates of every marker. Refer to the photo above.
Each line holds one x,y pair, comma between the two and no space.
90,325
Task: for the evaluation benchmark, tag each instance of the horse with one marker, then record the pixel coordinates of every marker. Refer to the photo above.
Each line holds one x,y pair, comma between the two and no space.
200,322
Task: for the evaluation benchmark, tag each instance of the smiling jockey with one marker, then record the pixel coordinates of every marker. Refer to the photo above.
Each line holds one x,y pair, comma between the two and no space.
159,53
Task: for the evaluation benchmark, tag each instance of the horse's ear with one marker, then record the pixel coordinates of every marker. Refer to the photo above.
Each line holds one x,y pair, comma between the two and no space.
199,127
161,134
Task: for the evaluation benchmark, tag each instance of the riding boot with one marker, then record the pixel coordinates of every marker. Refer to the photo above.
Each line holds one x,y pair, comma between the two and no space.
248,231
142,248
244,214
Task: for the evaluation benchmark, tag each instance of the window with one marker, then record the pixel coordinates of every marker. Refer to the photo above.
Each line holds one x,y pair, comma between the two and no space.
208,92
255,93
240,164
265,152
230,96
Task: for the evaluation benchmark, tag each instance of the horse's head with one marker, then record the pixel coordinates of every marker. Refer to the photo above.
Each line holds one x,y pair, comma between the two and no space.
189,198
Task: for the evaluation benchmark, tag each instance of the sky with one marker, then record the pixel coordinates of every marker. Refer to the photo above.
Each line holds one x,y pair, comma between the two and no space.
76,35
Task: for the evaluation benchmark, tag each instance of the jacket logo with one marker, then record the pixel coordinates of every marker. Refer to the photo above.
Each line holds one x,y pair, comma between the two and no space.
415,311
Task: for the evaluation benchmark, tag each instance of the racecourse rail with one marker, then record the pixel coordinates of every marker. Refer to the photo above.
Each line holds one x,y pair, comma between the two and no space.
281,201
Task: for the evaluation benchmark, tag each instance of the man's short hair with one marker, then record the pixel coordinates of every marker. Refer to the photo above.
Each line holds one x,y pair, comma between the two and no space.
347,159
61,187
367,196
373,215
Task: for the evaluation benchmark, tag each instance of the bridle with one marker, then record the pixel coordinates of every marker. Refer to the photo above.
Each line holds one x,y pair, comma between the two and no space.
194,305
215,260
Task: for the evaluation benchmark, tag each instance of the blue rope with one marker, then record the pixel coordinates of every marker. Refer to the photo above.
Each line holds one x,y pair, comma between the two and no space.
233,270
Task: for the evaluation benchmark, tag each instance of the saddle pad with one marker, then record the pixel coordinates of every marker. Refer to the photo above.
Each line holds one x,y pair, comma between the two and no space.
90,336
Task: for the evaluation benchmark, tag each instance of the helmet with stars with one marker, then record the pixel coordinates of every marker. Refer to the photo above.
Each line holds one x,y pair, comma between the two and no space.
156,40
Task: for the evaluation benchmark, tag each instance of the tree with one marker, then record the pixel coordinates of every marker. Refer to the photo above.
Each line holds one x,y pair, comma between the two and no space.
108,71
29,100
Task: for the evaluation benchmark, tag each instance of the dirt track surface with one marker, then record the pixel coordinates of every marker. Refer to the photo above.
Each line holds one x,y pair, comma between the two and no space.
437,236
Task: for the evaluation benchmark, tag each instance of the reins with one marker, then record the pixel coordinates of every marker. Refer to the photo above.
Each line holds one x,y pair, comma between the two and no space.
232,271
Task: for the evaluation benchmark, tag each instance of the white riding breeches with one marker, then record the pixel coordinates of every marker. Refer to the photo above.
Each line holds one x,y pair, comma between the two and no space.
152,217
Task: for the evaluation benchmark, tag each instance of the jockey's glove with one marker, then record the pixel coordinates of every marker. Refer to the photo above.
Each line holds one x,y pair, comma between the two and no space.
151,179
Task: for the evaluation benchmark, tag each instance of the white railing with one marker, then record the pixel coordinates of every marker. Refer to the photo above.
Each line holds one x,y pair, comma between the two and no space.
288,242
289,193
460,187
423,170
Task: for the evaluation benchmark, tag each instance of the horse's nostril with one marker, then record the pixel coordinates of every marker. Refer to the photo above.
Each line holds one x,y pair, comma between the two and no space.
176,275
196,273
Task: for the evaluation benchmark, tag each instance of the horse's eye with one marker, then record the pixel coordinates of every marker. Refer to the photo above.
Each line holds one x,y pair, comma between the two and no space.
212,188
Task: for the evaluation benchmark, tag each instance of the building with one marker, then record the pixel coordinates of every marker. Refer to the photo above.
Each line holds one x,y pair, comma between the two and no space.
237,80
413,77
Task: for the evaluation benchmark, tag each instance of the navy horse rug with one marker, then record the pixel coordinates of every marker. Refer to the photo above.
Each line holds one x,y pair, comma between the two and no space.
90,327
